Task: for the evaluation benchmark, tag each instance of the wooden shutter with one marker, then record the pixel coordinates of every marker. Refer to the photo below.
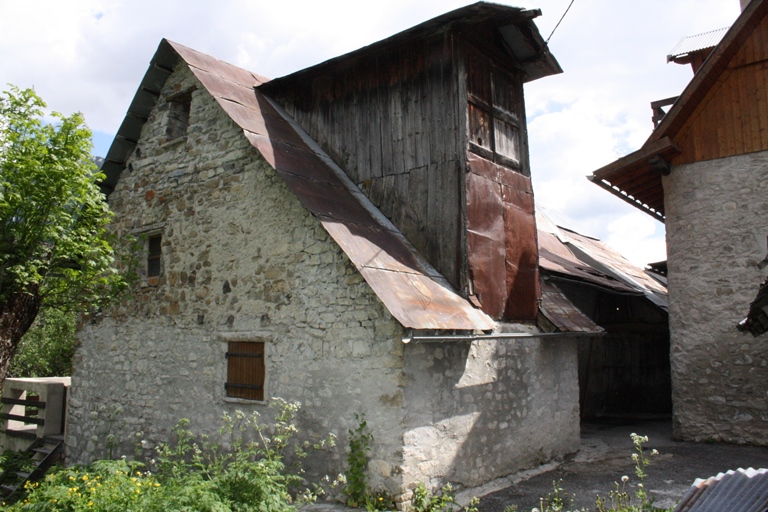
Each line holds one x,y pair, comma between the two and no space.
245,370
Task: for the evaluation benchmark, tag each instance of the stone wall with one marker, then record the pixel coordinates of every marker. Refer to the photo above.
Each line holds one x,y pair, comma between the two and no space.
482,410
240,255
717,223
242,258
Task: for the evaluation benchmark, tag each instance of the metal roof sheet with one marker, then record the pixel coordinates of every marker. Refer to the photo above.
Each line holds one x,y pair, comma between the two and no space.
698,42
743,490
563,314
569,253
416,294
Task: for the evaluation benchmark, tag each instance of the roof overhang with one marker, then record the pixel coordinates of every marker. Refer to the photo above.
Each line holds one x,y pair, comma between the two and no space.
511,29
636,178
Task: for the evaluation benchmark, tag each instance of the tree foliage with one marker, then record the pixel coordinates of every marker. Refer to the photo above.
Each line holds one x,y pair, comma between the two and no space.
48,347
54,250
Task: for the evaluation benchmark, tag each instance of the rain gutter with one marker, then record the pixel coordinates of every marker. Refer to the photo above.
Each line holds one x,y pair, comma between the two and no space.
442,338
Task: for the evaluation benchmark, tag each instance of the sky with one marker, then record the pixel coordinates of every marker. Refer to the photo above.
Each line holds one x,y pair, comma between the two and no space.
89,56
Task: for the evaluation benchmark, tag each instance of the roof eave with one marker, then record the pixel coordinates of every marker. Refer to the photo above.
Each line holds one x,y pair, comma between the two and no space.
522,39
653,157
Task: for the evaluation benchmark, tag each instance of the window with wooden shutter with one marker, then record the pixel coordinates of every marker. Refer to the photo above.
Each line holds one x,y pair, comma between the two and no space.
493,105
245,370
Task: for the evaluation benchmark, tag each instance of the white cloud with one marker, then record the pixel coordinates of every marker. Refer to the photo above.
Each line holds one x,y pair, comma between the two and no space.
90,56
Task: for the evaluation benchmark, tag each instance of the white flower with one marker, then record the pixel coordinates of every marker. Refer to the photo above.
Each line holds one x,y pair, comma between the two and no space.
625,479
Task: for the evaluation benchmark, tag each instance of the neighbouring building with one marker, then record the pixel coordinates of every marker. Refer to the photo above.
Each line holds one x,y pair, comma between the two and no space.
358,236
704,173
625,372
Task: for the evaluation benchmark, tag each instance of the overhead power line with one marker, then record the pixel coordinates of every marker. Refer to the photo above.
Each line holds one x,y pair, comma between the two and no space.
561,20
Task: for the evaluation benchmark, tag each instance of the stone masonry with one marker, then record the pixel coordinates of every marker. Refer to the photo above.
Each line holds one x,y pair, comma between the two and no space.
717,223
242,259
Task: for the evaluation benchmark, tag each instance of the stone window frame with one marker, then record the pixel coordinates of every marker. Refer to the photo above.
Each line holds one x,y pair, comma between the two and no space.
245,337
178,115
145,234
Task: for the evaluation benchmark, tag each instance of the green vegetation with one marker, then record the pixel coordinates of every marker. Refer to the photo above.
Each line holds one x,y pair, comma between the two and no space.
54,251
258,470
619,500
47,349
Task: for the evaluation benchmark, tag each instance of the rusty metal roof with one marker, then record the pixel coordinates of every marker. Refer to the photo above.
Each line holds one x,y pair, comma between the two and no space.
411,289
695,43
743,490
563,314
568,253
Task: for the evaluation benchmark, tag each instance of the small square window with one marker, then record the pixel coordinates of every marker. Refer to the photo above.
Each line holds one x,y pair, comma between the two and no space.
154,255
245,370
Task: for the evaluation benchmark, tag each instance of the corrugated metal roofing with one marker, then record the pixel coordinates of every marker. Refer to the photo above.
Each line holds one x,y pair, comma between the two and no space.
698,42
743,490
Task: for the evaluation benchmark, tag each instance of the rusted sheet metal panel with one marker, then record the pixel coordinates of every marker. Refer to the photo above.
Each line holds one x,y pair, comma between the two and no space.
485,244
554,256
591,260
502,257
563,313
422,302
222,69
522,254
743,490
413,291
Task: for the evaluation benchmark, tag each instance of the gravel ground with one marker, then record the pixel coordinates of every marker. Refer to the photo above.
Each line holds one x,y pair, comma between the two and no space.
605,456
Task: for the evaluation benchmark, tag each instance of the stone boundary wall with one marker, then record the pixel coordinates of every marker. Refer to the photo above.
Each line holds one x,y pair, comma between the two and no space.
717,223
487,409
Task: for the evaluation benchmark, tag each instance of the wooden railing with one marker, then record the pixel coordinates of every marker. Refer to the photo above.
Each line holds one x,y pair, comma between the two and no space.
32,409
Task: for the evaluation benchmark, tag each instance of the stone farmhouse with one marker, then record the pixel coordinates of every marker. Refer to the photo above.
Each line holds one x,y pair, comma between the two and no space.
358,236
704,173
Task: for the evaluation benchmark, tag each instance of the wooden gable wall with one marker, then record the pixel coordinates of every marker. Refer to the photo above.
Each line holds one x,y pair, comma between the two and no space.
400,122
391,121
732,118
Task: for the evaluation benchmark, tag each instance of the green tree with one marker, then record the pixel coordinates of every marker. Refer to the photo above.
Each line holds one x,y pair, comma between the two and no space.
48,347
54,251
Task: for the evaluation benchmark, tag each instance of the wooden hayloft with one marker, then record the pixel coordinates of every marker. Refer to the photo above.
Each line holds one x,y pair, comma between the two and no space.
430,124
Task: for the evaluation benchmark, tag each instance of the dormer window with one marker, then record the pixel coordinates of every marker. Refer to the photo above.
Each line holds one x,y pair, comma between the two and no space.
493,110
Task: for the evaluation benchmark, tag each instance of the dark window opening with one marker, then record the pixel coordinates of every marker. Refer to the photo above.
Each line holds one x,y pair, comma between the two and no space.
154,255
245,370
178,115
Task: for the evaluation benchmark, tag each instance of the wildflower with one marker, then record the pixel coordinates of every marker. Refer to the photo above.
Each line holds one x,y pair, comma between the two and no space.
625,479
654,452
